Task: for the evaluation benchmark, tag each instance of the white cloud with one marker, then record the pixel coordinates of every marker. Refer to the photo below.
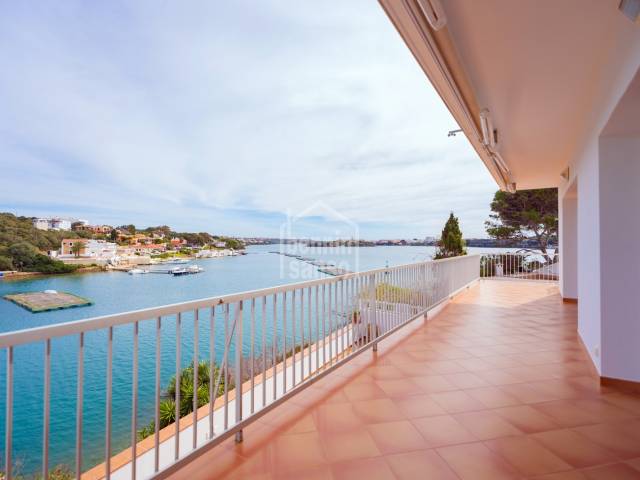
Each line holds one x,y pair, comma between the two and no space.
224,115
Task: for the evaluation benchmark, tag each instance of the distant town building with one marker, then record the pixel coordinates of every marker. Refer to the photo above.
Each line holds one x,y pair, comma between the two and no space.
41,223
53,223
97,229
149,248
95,251
178,242
140,239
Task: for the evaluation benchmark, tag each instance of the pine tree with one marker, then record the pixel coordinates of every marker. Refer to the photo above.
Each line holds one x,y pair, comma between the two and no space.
451,243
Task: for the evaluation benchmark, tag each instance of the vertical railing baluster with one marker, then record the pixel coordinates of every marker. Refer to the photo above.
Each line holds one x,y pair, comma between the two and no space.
343,315
302,334
107,453
324,324
196,372
238,382
212,360
274,346
8,429
310,342
397,295
264,351
79,399
156,432
317,329
356,312
45,416
385,301
225,363
284,342
134,403
339,304
374,327
176,453
252,355
293,336
330,324
356,308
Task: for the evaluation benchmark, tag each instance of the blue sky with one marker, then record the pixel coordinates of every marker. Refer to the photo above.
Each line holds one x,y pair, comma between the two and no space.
227,116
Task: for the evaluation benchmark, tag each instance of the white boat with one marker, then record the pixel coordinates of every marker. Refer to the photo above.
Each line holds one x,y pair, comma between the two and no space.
194,269
178,271
137,271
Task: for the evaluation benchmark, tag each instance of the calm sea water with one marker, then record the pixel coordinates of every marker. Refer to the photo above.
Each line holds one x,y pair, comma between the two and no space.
114,292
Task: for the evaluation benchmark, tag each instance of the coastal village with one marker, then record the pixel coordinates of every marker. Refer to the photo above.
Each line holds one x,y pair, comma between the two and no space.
126,249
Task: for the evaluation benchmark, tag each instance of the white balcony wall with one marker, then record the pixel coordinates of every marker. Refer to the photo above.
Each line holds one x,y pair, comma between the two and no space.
620,256
580,198
600,203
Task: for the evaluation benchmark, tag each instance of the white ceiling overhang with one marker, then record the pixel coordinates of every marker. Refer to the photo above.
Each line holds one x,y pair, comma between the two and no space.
549,74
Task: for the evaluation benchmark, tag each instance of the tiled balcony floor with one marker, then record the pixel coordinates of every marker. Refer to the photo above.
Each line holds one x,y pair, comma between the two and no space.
494,387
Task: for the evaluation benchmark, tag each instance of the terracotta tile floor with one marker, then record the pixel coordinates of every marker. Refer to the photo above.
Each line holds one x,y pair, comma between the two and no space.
494,387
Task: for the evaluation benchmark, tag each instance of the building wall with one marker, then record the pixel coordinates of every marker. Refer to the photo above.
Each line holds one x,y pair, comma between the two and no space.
67,245
619,256
607,174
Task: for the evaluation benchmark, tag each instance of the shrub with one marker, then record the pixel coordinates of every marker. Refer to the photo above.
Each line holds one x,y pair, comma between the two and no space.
5,263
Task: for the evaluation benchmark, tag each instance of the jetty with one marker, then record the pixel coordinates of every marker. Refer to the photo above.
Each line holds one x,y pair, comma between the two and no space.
178,271
335,271
328,268
48,300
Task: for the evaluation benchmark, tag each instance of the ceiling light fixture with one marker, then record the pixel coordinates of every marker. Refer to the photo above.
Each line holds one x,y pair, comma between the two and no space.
434,13
486,126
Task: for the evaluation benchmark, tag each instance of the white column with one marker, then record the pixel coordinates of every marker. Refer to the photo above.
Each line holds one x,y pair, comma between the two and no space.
568,242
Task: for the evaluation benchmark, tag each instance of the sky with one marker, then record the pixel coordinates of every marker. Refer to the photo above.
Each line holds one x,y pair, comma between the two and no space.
241,118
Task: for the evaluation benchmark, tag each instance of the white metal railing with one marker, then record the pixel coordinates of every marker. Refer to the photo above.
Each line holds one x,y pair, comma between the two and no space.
259,348
520,265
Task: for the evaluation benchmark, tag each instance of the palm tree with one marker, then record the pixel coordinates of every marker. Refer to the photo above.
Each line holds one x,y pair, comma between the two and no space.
77,248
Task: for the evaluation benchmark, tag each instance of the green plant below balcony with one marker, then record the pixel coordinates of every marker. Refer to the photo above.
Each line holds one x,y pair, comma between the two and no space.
167,406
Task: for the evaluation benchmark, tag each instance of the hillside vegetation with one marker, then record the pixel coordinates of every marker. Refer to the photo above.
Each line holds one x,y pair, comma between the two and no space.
23,247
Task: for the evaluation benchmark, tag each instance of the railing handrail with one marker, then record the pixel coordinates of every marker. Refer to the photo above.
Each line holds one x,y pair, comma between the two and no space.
39,334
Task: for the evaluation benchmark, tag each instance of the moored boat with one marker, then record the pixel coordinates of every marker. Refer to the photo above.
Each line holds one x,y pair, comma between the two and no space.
137,271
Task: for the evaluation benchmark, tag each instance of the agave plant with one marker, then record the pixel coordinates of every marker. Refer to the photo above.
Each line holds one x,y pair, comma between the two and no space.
168,404
167,412
147,431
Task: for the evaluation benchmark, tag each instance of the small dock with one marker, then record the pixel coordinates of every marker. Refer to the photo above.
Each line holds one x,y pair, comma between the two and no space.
328,268
46,301
335,271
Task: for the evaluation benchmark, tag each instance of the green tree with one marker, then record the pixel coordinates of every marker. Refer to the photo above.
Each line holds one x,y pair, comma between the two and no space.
77,248
26,257
23,254
113,236
5,263
128,228
524,215
451,243
234,243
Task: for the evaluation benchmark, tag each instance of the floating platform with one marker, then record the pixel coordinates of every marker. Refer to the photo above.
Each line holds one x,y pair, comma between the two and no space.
37,302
